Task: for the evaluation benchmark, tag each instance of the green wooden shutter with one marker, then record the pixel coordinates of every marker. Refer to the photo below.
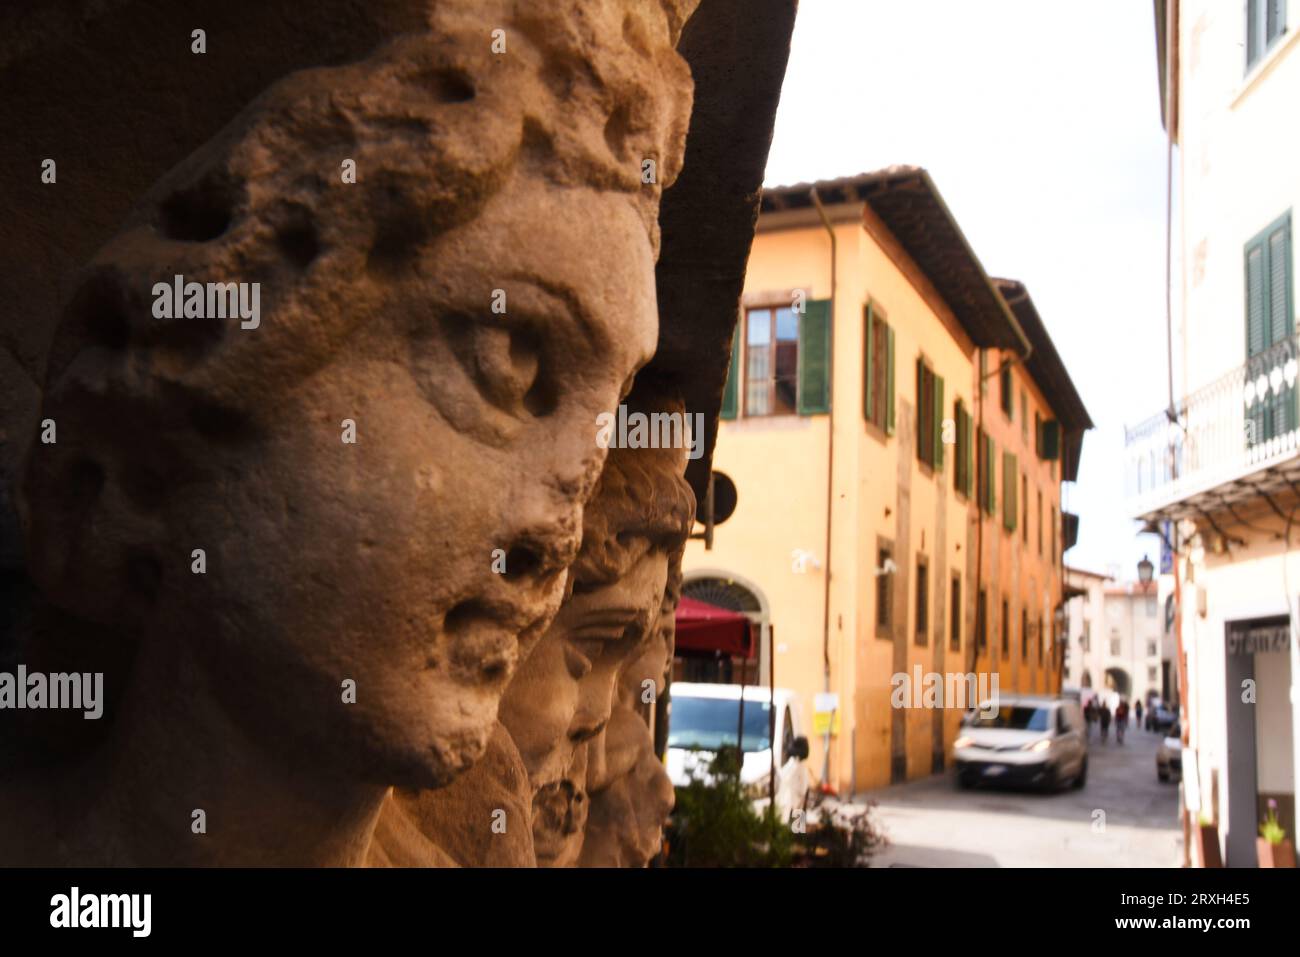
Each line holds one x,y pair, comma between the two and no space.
815,358
922,436
1281,321
1257,331
1010,474
1279,280
1252,31
732,389
938,423
969,453
889,384
868,378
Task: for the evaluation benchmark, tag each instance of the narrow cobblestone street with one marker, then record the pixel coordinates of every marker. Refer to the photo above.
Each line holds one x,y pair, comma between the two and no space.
931,823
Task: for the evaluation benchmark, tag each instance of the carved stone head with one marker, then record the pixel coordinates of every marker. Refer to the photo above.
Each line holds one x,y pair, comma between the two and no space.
564,694
416,400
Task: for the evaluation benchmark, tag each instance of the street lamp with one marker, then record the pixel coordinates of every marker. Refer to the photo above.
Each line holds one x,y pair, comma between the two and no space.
1145,571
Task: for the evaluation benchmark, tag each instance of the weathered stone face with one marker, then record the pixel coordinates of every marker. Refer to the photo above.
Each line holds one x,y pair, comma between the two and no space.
560,705
630,800
629,789
564,691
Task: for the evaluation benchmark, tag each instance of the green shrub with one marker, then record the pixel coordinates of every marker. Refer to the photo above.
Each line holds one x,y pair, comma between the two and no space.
714,824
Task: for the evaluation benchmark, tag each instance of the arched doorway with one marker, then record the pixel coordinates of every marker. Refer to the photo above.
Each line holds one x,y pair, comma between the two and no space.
1117,680
724,590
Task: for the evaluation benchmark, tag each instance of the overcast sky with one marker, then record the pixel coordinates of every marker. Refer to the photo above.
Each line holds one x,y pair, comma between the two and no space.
1040,124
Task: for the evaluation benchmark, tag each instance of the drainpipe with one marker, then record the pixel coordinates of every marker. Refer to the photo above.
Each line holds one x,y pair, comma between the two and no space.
830,499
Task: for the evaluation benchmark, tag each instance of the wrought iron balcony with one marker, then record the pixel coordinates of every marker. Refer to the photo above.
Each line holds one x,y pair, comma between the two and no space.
1225,443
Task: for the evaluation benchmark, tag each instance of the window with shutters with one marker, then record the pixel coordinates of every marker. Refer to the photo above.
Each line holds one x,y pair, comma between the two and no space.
1024,634
1024,418
963,460
1040,639
878,366
771,362
1010,492
1265,23
929,416
982,620
1270,331
1006,395
954,613
884,587
922,599
780,362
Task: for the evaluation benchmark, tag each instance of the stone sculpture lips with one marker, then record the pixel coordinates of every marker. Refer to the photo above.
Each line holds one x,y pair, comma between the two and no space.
485,641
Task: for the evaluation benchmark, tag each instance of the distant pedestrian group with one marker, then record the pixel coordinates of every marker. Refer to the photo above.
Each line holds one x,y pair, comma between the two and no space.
1097,711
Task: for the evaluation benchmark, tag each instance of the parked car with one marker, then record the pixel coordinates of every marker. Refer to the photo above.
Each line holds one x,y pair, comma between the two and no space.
704,718
1169,756
1159,717
1029,739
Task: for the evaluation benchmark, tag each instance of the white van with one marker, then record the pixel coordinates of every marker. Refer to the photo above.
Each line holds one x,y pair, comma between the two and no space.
1023,739
704,717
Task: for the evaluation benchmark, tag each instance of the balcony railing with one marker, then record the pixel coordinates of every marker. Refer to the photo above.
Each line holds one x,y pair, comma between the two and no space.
1237,425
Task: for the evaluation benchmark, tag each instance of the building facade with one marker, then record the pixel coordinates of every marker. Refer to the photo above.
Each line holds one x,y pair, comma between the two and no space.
1119,637
1216,474
861,445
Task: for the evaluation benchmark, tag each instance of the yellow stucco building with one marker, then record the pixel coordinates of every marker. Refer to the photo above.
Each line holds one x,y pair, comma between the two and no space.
850,428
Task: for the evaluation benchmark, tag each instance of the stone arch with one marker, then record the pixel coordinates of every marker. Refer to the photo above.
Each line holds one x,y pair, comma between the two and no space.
735,593
1118,680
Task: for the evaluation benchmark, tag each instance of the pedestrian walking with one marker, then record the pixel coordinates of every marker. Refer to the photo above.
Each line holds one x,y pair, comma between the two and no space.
1104,716
1121,720
1137,713
1090,716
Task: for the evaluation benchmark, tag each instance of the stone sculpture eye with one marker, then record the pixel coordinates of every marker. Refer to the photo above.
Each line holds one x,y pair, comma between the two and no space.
505,363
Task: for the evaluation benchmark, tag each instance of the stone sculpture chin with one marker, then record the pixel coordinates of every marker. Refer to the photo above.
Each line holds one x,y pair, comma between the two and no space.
206,515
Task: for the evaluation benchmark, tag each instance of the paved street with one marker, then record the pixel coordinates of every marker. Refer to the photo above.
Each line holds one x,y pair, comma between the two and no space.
930,823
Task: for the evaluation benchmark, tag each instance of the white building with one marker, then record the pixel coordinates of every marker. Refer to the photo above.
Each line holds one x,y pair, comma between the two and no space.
1219,474
1117,643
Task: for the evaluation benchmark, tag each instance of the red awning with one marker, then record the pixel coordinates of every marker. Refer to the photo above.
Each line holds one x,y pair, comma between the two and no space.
708,628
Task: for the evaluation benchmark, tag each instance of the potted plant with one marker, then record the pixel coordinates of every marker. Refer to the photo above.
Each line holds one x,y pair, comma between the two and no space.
1274,849
1207,841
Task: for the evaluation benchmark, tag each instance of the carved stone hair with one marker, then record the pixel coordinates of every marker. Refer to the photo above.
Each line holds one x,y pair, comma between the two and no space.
642,496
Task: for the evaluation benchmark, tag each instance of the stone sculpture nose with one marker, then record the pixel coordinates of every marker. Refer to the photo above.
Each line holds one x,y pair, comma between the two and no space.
541,538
